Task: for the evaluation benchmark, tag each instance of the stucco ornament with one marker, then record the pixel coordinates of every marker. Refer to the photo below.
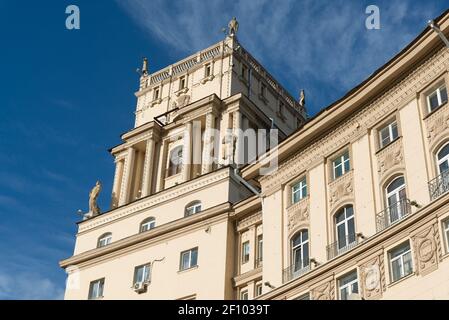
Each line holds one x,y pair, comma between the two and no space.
94,210
233,27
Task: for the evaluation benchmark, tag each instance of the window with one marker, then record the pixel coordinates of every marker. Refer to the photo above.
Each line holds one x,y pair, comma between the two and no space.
348,285
259,249
156,94
244,72
189,259
388,134
182,82
142,273
104,240
300,250
193,208
299,190
175,165
207,70
396,196
401,261
147,224
245,252
341,165
446,233
281,109
244,295
258,290
443,159
96,289
305,296
263,90
345,227
437,98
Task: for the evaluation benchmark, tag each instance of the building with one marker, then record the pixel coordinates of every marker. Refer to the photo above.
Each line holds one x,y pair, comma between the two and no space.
357,208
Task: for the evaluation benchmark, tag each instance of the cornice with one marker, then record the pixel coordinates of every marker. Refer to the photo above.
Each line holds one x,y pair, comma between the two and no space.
247,276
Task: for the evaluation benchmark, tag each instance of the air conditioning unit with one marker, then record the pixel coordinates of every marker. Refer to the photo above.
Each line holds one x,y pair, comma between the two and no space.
140,287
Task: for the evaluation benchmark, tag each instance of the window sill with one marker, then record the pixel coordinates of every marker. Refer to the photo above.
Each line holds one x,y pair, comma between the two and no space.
155,102
341,177
208,78
391,284
434,110
387,145
181,91
188,269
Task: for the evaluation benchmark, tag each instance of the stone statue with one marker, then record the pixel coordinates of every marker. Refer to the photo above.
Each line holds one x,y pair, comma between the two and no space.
302,98
94,210
145,67
233,27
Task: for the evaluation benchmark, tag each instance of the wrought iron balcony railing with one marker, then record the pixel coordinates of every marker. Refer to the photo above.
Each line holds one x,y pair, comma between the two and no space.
294,271
342,245
393,214
439,185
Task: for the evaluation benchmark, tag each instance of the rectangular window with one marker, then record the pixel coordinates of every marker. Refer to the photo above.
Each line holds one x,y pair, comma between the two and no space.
142,273
263,90
446,233
244,295
96,289
182,82
299,190
156,93
189,259
341,165
388,134
259,249
245,252
348,285
258,290
281,109
437,98
401,261
244,72
207,70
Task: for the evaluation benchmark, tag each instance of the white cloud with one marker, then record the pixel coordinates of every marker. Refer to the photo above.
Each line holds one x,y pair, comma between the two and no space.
28,286
305,44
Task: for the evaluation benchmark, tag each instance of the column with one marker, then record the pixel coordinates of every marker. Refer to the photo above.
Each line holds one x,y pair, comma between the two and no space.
127,176
117,182
148,168
208,144
186,152
136,190
238,156
162,166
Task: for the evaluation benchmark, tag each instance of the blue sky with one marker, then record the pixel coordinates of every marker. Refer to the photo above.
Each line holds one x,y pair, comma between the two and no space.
66,96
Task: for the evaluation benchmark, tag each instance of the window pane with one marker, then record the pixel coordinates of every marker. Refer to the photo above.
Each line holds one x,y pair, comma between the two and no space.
306,255
444,152
341,236
338,171
396,184
443,94
433,101
396,269
394,130
408,267
185,260
384,136
194,257
139,274
351,230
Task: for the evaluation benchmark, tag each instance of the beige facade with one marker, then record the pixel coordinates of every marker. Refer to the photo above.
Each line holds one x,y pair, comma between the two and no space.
357,208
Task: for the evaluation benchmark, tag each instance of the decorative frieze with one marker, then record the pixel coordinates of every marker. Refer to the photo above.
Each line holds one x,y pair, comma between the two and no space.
372,274
248,221
359,123
324,291
437,123
341,189
392,156
426,250
297,214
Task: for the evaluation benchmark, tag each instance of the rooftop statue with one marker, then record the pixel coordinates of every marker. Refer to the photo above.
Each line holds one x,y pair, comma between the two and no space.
302,98
94,210
233,27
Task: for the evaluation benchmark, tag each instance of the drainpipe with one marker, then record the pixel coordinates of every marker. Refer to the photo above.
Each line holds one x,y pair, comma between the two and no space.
247,184
435,28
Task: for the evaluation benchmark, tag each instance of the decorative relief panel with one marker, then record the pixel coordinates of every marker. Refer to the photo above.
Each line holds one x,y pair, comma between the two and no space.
297,214
437,123
426,249
372,274
341,189
325,291
390,157
358,124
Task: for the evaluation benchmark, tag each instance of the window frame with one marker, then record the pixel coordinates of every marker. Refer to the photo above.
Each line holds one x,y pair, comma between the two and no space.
189,251
101,283
207,70
305,261
259,248
151,221
174,169
345,221
445,225
343,161
146,279
156,93
194,206
106,235
396,193
437,92
302,190
443,159
244,292
400,257
182,82
347,287
389,126
245,253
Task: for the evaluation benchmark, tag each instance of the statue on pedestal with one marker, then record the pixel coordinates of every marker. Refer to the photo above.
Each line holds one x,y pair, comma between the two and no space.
233,27
94,210
302,98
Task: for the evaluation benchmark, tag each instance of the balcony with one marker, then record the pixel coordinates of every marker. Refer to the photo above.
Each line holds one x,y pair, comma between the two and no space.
393,214
439,185
342,245
294,272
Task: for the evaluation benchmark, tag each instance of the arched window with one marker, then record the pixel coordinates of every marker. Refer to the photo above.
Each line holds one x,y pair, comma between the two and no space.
104,239
345,227
147,224
175,161
443,159
396,199
192,208
300,250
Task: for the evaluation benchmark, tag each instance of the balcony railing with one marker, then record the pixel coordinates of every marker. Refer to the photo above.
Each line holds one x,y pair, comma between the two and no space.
342,246
393,214
294,272
439,185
